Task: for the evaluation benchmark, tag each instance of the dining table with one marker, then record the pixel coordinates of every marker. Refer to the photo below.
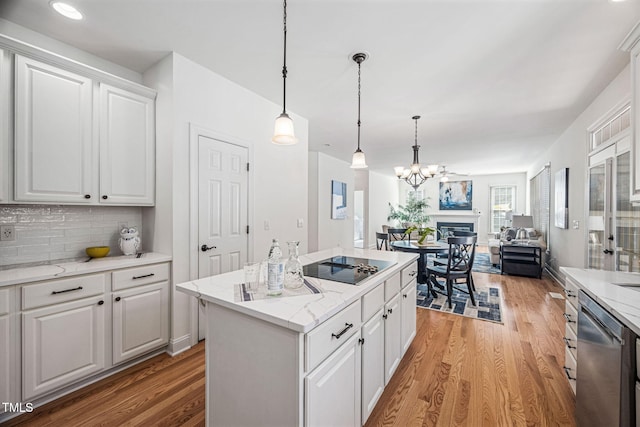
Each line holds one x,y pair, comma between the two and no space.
431,247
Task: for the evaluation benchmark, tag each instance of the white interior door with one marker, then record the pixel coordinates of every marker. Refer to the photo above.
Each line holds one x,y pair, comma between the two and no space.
222,209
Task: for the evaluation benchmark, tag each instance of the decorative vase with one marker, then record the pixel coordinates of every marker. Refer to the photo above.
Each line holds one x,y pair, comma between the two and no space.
293,274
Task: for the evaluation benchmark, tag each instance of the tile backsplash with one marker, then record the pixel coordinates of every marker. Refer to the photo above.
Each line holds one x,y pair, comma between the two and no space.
53,232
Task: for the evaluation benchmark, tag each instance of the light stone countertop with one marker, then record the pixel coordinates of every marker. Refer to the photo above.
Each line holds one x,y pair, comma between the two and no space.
299,313
621,301
53,270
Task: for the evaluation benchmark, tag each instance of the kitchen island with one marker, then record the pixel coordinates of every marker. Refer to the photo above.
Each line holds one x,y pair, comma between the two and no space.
315,359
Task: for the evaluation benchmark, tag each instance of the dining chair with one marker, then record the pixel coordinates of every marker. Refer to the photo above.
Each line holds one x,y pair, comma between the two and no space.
396,234
382,240
459,264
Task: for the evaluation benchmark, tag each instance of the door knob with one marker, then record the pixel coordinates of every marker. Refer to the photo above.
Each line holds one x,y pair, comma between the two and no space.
608,251
205,248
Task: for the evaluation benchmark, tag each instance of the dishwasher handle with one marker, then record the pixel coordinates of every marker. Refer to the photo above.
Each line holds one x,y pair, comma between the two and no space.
599,325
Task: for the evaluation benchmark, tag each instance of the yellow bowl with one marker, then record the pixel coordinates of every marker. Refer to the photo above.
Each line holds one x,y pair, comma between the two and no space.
98,251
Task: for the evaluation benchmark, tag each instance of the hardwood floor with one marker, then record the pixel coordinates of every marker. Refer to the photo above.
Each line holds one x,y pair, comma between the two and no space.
466,372
457,372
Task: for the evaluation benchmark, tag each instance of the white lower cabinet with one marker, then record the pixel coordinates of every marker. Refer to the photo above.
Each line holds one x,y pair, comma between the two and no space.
62,343
392,339
6,349
372,363
140,320
408,327
332,390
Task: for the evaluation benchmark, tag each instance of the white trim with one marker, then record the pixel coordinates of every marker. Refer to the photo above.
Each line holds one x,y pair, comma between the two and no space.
179,345
16,46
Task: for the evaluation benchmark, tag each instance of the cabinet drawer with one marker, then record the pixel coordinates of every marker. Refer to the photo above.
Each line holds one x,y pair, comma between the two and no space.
372,302
4,301
571,340
131,277
570,368
409,273
63,290
571,292
392,287
571,314
326,338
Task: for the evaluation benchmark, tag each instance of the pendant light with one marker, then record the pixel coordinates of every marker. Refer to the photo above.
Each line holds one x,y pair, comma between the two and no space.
283,133
415,175
358,161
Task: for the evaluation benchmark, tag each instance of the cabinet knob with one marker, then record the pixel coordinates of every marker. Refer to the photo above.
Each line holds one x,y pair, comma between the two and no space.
117,299
384,316
87,196
390,311
361,341
100,302
105,197
404,295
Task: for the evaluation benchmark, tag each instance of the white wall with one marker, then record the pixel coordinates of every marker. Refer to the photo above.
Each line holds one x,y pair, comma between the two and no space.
191,94
481,193
383,189
568,247
330,232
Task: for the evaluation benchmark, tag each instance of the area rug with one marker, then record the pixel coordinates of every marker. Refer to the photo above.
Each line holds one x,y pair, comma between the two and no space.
481,264
487,300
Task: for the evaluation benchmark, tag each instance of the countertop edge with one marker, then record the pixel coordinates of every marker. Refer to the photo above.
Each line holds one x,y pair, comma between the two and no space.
24,275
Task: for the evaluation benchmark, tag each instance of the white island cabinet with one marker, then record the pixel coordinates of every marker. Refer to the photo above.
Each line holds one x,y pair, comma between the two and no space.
316,359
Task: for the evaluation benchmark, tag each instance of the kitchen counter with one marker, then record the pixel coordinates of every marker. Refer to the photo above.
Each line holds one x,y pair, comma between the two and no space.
621,301
19,275
298,313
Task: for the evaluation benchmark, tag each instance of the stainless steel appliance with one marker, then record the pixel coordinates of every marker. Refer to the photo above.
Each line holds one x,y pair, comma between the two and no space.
606,368
345,269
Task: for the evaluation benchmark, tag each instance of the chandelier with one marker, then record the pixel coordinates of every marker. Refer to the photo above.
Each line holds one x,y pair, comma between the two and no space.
283,133
415,175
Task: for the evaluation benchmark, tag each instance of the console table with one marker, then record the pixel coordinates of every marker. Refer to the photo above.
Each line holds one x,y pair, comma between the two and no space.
522,259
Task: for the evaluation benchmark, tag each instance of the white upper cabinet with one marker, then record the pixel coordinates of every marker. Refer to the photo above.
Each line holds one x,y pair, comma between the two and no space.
53,134
630,44
79,140
127,147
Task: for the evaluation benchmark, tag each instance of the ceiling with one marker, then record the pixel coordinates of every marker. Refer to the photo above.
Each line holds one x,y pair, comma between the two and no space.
496,82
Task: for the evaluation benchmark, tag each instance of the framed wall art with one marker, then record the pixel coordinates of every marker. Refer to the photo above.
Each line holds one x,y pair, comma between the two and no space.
456,196
561,207
338,200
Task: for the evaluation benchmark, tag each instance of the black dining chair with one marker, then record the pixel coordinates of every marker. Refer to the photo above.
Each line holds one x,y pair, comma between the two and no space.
397,234
382,241
459,264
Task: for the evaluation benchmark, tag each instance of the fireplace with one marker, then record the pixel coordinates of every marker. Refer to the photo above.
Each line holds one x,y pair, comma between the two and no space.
449,228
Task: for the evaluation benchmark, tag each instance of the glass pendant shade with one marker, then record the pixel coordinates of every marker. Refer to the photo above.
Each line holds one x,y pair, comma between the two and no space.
433,169
444,179
358,161
399,170
283,133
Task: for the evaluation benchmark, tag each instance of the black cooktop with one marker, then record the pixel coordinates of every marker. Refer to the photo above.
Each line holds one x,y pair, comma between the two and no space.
345,269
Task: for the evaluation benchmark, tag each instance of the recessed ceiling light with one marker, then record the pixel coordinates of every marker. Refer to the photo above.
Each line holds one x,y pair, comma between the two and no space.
66,9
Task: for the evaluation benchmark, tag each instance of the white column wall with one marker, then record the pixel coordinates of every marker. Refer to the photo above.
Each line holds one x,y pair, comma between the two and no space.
383,189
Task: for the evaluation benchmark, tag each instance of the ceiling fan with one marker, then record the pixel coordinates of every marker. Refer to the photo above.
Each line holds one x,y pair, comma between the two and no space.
445,174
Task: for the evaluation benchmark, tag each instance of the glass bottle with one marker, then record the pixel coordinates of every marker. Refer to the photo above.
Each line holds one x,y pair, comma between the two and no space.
293,274
274,269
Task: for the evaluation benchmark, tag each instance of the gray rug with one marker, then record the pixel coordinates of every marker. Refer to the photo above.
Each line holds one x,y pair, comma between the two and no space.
487,299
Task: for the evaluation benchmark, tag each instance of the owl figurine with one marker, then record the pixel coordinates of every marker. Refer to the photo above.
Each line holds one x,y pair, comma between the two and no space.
129,241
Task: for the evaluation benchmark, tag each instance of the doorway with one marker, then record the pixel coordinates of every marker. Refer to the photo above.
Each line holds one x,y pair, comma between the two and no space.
358,219
222,207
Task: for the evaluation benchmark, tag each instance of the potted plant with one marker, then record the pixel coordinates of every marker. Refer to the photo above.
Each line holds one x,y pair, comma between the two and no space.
411,214
422,232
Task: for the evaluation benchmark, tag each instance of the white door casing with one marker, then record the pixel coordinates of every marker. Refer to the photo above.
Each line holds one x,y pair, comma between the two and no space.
222,206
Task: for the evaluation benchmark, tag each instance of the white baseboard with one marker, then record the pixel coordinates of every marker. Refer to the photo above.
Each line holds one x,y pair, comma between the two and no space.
178,345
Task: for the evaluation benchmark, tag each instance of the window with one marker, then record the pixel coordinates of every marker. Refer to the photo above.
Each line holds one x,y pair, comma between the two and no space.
539,186
503,200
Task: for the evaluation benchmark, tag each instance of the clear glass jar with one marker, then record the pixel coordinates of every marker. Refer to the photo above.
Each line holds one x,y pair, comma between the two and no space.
293,274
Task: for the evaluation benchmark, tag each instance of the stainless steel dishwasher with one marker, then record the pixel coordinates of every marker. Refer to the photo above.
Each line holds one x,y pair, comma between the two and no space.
606,368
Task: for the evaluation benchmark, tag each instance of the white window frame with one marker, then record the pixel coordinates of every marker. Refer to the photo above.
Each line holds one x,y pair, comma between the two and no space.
499,208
